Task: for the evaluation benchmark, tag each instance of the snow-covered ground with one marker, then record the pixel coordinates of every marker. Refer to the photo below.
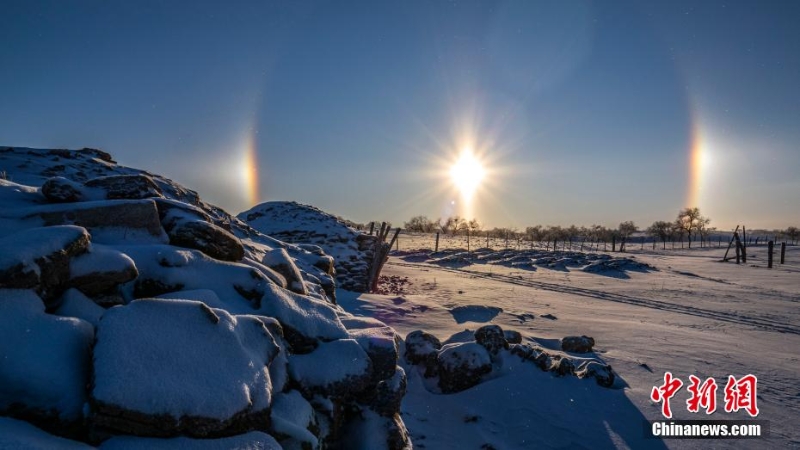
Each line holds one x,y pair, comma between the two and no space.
693,315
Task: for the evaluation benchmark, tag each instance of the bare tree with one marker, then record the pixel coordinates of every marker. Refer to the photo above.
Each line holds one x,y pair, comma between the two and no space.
793,234
421,224
691,222
660,230
626,230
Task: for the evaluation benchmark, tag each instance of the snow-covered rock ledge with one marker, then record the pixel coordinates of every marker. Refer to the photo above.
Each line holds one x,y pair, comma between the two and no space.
134,315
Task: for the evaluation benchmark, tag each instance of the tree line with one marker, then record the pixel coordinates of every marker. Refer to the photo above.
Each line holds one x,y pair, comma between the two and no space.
688,226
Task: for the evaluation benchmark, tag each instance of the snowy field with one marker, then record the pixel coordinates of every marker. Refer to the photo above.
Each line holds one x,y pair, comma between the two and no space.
689,315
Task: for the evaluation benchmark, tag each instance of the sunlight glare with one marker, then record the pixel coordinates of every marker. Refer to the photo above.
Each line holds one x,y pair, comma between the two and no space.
467,173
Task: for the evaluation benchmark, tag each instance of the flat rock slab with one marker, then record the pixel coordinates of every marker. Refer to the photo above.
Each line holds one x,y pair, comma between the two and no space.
130,214
168,367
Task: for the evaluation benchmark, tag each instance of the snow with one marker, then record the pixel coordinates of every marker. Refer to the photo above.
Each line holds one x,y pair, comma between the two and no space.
19,435
26,246
332,362
453,355
307,316
292,415
99,259
692,315
254,440
44,357
75,304
182,358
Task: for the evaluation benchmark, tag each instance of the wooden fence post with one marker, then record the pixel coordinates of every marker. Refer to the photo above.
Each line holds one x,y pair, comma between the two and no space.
738,256
744,245
613,243
783,251
770,245
437,243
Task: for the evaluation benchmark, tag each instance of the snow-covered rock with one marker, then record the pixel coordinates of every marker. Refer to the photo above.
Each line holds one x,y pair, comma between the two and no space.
462,365
385,399
38,258
293,421
164,367
62,190
205,360
351,249
423,348
381,347
131,187
304,319
101,270
337,369
577,344
254,440
75,304
492,338
279,261
20,435
45,363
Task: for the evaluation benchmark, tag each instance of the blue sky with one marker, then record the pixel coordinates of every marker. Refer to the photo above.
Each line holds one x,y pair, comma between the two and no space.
581,112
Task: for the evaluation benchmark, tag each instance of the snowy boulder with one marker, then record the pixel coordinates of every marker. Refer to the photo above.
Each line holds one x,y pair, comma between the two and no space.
210,239
562,365
352,250
512,336
422,348
171,212
38,258
254,440
601,373
492,338
293,421
101,270
167,367
305,320
75,304
165,268
191,227
369,431
19,435
577,344
129,217
387,396
130,187
279,261
45,363
338,369
62,190
462,365
381,346
536,355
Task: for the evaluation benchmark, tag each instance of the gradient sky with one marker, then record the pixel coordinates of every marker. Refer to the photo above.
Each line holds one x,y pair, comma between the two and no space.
582,112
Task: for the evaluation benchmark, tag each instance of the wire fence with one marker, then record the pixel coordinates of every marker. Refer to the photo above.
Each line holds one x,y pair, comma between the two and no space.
409,241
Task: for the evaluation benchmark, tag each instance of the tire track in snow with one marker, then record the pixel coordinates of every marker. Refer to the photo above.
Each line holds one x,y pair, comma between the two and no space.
723,316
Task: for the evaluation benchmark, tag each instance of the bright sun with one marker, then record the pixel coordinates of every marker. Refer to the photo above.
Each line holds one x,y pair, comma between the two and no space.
467,173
